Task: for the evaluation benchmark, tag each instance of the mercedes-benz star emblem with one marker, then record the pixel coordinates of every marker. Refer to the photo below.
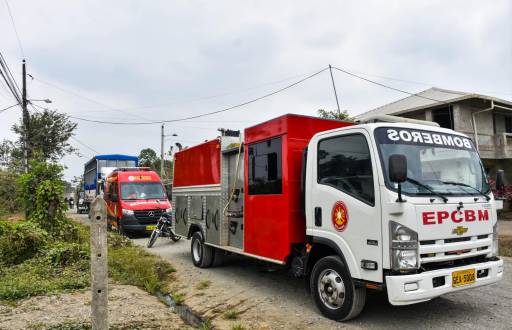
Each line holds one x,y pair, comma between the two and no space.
151,213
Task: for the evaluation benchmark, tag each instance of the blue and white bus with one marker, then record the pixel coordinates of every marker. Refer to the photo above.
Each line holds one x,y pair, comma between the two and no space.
96,169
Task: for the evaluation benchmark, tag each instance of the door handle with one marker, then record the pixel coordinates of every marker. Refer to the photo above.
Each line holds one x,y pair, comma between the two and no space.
318,216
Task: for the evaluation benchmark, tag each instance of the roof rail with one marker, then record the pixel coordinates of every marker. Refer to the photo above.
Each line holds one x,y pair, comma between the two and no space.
125,169
394,119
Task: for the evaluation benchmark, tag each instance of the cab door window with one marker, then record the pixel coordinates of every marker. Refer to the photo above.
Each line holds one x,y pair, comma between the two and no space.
344,163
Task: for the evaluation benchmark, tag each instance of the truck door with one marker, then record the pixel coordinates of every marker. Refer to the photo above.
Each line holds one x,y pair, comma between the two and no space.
344,201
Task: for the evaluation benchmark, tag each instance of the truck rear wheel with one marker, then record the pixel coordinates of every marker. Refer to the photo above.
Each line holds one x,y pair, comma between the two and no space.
333,290
202,254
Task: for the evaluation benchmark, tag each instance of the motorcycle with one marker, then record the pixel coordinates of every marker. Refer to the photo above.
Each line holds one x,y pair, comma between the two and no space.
163,228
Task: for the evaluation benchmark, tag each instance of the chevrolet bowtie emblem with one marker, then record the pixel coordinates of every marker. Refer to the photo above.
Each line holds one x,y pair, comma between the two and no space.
459,230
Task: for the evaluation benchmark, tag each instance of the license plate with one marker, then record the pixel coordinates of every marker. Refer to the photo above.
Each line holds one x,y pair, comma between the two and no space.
151,227
463,277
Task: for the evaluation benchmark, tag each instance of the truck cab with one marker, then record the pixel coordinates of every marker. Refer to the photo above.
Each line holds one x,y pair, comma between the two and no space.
403,207
135,199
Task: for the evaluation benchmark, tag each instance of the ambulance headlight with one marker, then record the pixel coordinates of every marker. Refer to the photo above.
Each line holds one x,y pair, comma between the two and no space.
495,241
403,247
127,212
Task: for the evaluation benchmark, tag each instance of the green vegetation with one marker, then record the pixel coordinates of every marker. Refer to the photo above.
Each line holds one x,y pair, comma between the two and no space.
203,285
231,314
132,265
8,202
333,114
238,326
179,298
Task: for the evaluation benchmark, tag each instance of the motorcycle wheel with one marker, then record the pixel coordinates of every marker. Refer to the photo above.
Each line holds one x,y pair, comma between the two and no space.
152,238
175,238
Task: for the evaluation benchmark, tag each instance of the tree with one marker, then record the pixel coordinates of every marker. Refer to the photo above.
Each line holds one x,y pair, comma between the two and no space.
330,114
147,157
49,134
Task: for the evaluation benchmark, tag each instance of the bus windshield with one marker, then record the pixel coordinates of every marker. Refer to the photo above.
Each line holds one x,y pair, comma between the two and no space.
446,164
142,190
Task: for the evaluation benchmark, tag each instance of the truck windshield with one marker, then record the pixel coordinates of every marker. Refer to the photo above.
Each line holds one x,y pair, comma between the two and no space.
142,190
446,164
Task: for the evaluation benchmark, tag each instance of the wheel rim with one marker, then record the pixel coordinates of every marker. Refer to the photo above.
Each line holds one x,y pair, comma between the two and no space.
331,289
196,250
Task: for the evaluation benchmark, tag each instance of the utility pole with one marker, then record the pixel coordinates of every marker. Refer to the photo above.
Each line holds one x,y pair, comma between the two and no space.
162,136
334,87
26,119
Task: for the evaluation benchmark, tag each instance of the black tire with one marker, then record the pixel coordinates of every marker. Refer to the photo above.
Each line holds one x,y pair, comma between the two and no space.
328,278
152,238
175,238
202,254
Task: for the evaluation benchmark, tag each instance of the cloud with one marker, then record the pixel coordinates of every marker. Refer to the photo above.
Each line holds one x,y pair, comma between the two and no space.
172,55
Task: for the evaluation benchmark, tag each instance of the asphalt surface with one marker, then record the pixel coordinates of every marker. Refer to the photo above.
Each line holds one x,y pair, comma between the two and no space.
488,307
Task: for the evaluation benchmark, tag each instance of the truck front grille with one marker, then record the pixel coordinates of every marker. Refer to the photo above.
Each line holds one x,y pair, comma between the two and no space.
148,216
454,248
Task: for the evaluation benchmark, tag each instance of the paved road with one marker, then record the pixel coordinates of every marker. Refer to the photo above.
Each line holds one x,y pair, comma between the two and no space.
280,300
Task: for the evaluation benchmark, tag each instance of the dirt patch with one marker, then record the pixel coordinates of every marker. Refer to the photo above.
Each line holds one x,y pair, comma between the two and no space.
129,307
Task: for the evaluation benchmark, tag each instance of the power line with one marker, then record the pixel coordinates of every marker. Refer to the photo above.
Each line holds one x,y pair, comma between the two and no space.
12,106
86,98
85,145
14,27
6,74
208,113
167,104
387,86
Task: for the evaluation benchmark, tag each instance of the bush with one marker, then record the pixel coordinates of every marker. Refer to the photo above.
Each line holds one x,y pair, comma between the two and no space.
20,241
9,202
64,253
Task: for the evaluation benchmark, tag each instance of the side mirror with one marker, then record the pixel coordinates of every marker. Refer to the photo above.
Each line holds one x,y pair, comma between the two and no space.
397,168
500,180
113,198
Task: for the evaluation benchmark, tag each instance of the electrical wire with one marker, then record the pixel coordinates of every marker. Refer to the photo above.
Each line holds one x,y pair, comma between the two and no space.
85,145
208,113
387,86
6,74
14,28
86,98
12,106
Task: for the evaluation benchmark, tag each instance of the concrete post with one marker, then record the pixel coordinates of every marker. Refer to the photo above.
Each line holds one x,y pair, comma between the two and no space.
99,265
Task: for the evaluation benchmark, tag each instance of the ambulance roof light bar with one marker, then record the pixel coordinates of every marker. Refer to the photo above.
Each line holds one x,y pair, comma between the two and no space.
394,119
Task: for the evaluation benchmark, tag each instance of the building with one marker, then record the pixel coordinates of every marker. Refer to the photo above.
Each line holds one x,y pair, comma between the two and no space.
486,119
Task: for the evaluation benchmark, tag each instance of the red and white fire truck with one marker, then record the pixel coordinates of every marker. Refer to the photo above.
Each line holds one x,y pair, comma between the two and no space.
397,206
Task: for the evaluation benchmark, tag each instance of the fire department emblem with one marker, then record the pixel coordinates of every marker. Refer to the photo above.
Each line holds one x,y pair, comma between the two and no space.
339,216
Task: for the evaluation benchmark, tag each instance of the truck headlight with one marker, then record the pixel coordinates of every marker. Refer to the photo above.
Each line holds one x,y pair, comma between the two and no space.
403,247
168,211
127,212
495,241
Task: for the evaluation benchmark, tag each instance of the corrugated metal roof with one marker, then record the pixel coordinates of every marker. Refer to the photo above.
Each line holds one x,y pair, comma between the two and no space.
428,98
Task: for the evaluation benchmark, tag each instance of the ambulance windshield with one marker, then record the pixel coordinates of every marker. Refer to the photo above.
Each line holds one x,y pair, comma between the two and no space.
142,190
447,164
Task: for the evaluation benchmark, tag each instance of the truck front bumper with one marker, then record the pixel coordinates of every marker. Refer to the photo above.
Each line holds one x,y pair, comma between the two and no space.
411,289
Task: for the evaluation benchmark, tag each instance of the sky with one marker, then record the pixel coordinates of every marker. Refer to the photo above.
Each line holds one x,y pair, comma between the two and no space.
133,61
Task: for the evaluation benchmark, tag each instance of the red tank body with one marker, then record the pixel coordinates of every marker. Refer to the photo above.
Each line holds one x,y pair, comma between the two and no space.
274,222
197,165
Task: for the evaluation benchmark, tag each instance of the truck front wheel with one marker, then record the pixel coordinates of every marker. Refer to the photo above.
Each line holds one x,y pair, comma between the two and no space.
334,291
202,254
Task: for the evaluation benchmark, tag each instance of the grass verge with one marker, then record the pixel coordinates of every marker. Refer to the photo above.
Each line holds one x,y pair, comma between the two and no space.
33,263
